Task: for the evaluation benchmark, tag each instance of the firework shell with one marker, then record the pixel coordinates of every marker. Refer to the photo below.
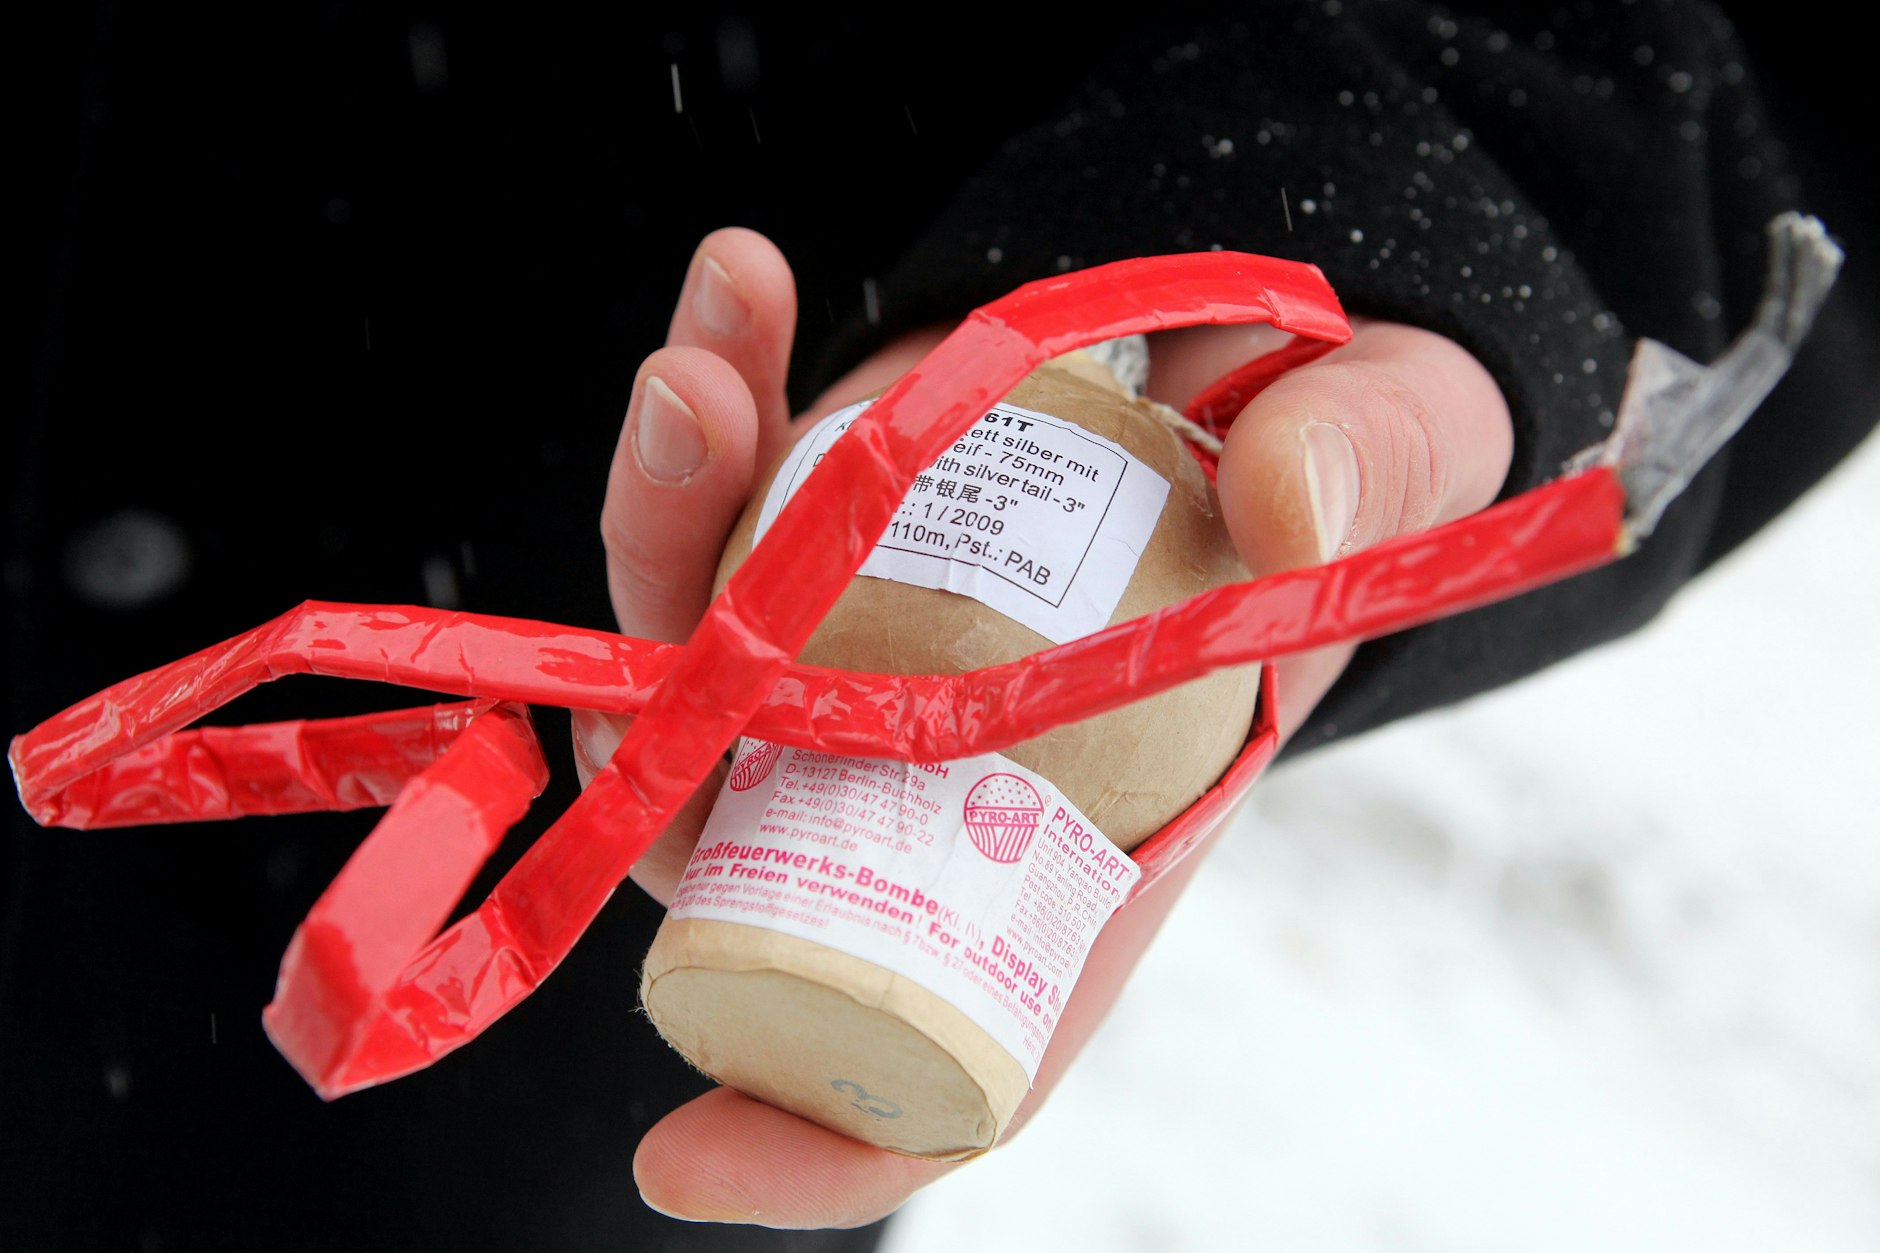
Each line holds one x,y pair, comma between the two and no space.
778,1016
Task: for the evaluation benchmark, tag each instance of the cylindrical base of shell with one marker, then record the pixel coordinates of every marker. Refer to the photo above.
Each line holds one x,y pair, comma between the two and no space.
830,1037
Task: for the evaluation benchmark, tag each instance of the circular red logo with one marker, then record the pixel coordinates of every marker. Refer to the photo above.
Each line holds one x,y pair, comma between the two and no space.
1002,813
754,765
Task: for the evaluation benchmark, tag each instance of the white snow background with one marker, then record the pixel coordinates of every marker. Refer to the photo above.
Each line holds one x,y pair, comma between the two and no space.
1588,963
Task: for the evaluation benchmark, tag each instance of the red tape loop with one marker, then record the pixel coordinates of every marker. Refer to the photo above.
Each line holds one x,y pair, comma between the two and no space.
369,991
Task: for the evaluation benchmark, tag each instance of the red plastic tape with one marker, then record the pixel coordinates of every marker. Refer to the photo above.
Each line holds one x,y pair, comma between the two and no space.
369,990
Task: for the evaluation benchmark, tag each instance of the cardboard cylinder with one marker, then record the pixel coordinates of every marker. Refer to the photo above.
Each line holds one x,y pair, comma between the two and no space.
868,1052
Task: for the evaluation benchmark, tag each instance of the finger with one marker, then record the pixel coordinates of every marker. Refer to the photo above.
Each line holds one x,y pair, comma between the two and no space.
596,736
739,303
1400,430
727,1158
680,476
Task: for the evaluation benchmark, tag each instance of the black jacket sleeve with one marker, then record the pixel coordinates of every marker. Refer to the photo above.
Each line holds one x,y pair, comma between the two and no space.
1542,187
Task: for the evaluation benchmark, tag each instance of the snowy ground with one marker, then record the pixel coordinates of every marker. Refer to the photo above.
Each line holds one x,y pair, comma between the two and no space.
1587,964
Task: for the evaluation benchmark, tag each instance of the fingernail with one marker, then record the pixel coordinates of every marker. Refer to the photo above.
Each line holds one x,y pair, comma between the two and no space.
717,303
667,438
595,738
648,1203
1331,484
657,1208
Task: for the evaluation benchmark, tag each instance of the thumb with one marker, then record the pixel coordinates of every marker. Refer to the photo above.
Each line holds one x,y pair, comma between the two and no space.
1398,431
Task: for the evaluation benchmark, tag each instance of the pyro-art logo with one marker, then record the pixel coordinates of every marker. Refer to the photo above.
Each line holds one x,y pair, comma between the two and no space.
1002,813
754,764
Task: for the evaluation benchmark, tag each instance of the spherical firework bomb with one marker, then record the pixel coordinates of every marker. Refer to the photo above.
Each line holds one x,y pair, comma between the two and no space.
1002,813
859,941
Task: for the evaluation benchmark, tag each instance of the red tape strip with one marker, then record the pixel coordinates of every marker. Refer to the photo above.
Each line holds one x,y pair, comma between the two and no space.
369,991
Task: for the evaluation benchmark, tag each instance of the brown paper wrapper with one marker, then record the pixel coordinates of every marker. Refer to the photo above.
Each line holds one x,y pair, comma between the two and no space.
843,1042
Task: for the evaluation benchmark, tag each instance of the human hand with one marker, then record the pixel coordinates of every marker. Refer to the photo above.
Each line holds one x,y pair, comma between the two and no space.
1397,431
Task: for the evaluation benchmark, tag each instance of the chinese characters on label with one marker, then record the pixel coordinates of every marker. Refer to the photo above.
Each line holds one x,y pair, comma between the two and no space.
1026,513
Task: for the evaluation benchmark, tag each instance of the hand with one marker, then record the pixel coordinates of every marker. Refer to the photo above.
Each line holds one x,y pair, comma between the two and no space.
1399,430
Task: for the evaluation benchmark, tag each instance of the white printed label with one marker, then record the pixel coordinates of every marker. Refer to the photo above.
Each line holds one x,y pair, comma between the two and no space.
976,879
1027,514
